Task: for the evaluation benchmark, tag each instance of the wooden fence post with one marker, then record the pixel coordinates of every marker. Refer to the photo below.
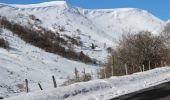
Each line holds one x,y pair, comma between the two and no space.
149,65
104,72
92,75
54,82
112,70
98,73
26,83
140,68
155,65
165,64
40,86
126,69
76,74
113,64
162,64
84,72
143,68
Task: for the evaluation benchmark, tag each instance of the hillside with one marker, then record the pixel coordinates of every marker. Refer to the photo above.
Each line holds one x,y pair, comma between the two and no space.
101,27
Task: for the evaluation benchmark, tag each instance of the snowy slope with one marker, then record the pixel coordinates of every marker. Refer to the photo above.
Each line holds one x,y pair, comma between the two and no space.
102,89
56,17
100,26
25,61
103,24
116,21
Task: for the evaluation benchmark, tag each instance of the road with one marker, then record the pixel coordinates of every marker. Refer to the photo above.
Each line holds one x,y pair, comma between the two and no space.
159,92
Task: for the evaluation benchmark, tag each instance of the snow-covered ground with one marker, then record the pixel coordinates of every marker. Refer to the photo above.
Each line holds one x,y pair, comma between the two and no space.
102,89
24,61
102,27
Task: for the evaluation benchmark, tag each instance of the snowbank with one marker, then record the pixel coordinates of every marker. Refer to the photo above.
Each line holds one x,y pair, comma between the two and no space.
101,89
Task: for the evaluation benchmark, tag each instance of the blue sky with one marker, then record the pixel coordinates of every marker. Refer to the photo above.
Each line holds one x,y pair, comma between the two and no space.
159,8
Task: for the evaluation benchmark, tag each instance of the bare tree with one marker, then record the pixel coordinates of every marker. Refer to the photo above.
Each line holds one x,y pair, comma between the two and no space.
141,49
166,36
137,50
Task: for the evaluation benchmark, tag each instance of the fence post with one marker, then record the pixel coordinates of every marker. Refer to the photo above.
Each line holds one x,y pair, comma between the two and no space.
143,67
113,64
149,65
155,65
76,74
26,81
98,73
165,64
140,68
92,75
54,82
84,72
104,72
112,70
126,69
40,86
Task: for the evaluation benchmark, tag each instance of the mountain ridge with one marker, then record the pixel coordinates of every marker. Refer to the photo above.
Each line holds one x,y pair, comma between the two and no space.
38,5
59,3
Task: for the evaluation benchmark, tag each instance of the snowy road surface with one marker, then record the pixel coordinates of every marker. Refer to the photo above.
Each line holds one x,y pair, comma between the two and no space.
159,92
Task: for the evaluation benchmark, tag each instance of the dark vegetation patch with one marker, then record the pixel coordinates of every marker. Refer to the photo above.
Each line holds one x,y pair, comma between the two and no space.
46,40
4,44
136,52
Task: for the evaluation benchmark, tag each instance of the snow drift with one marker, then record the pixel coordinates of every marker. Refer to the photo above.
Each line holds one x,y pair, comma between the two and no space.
101,89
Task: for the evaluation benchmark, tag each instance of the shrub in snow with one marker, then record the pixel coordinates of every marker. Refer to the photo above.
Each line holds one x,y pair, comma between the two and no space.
92,46
84,77
62,29
4,44
21,87
33,17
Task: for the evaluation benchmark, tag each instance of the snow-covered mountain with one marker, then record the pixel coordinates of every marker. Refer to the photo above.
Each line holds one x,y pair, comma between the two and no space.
103,24
101,27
